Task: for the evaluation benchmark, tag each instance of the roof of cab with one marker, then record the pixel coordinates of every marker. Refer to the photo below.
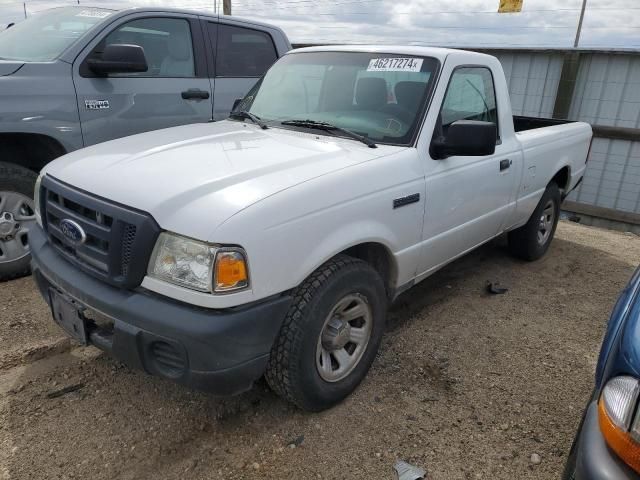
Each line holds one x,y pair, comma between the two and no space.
152,9
74,50
435,52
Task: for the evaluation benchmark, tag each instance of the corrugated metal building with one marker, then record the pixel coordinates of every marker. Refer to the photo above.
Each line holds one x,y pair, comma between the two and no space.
533,80
599,87
608,93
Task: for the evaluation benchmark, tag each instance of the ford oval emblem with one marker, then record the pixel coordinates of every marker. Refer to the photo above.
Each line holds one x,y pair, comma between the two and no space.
72,231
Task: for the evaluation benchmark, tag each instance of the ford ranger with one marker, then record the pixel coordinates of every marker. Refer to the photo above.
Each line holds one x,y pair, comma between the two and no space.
76,76
271,243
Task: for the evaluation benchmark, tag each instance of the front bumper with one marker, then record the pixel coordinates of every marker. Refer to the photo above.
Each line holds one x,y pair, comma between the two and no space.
220,351
590,458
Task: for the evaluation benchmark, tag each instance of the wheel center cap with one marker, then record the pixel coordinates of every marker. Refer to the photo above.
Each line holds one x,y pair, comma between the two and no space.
7,225
336,334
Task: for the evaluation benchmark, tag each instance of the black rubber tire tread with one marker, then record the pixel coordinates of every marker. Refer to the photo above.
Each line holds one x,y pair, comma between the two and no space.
14,178
523,242
282,373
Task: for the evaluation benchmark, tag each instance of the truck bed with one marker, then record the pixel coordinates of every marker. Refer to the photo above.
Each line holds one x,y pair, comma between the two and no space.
549,133
547,143
522,123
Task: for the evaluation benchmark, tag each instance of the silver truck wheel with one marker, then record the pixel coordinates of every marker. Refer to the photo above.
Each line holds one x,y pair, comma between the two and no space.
531,241
547,222
330,335
17,217
344,338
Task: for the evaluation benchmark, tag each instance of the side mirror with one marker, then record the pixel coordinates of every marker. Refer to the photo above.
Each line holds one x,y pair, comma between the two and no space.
466,137
119,58
236,102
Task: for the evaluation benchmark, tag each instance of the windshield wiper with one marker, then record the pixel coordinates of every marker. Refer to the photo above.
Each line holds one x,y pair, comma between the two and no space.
329,127
254,118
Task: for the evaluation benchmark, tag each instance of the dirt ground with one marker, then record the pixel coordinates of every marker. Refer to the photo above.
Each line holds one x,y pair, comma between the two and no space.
466,385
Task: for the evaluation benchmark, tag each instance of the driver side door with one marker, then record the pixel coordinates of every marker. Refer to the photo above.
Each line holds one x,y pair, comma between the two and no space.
175,90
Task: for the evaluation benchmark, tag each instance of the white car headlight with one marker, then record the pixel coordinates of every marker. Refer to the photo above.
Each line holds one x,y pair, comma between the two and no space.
619,418
198,265
36,200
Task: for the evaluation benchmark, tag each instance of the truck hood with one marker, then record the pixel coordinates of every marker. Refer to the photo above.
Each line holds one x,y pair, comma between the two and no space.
193,178
8,67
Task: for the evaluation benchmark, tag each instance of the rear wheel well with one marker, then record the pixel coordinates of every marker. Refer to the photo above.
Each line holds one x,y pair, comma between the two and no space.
380,259
30,150
562,179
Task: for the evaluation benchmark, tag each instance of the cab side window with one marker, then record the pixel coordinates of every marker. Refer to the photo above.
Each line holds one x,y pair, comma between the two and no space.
243,52
166,42
470,96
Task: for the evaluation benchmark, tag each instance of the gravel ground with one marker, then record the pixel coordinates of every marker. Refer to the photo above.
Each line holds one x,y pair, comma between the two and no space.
467,385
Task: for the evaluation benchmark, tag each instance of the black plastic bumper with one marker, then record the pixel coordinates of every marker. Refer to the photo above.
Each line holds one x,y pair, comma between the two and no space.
220,351
592,458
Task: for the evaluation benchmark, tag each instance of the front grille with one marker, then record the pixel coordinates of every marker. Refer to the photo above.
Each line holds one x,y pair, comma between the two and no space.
128,237
118,239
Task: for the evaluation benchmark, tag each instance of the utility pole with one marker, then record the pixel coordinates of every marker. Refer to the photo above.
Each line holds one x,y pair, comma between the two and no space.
226,7
24,6
577,41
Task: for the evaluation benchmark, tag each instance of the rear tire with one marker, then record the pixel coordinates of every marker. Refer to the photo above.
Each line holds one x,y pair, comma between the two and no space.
322,354
17,216
532,240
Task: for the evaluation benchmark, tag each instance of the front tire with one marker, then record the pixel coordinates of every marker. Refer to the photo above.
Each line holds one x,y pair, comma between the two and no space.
17,216
330,335
532,240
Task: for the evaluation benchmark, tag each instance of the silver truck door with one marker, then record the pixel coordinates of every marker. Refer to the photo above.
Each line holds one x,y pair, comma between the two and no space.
175,90
242,56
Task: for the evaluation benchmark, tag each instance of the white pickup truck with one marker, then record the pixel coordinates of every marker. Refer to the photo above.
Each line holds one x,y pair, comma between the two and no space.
271,243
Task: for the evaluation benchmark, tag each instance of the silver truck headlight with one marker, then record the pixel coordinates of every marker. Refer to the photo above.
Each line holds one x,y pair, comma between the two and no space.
36,200
198,265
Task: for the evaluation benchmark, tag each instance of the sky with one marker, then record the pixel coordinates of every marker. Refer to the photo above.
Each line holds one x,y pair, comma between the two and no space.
463,23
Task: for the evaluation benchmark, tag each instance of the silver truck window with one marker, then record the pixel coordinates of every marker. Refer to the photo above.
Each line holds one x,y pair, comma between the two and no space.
243,52
378,95
470,96
43,37
166,42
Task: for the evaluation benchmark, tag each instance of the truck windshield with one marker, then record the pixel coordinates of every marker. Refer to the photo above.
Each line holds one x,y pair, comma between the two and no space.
379,96
43,37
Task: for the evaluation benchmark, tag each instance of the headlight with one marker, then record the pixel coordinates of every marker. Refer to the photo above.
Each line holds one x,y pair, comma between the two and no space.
618,424
36,200
198,265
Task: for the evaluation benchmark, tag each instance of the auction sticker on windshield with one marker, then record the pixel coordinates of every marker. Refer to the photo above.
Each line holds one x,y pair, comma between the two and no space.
395,64
94,14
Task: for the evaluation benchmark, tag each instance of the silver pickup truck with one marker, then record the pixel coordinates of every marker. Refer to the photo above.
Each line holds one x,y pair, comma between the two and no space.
73,77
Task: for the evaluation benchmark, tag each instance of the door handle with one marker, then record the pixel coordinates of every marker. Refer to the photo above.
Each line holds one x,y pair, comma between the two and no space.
504,164
195,94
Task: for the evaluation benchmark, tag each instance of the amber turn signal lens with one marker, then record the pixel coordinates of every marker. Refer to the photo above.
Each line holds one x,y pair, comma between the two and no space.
618,440
231,271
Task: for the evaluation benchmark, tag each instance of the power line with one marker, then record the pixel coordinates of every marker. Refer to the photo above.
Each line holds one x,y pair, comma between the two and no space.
249,11
287,6
500,27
